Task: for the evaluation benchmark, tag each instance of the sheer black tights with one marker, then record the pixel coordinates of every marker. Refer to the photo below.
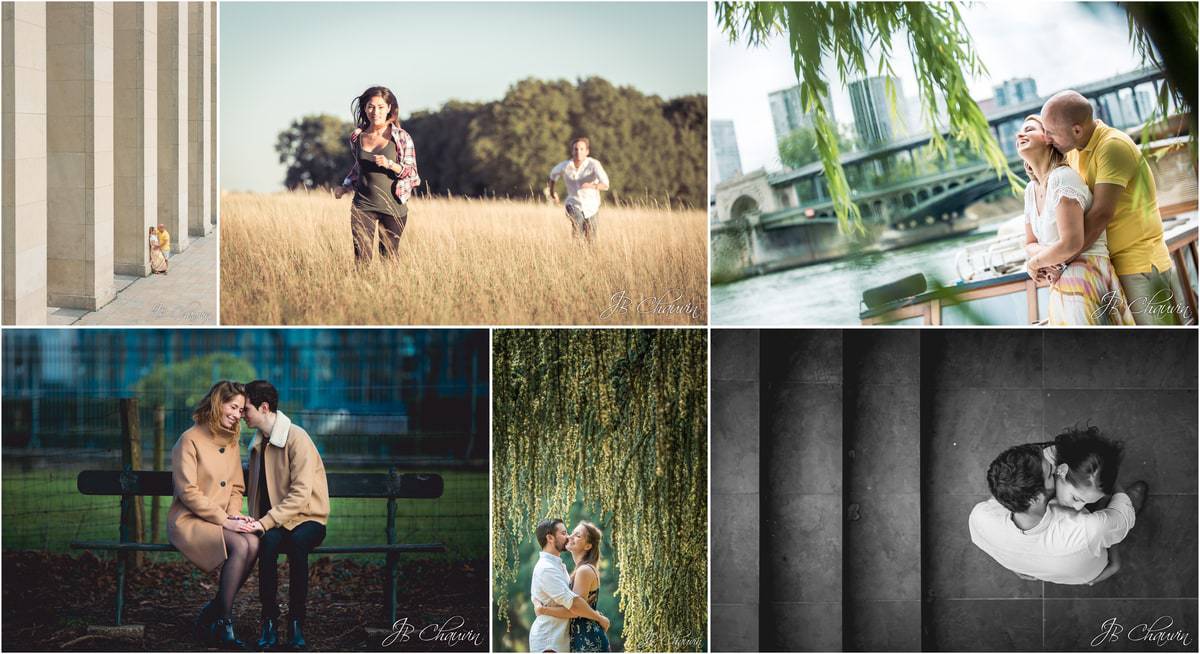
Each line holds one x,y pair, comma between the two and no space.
242,550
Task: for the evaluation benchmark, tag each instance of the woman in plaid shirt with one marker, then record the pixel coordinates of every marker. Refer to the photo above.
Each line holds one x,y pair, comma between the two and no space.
383,175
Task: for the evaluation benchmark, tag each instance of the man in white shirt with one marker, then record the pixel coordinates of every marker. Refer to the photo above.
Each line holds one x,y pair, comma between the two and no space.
551,586
1025,532
585,178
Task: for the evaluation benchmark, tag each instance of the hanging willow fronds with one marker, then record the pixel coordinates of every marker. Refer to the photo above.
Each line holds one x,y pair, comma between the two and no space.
845,33
1164,34
618,420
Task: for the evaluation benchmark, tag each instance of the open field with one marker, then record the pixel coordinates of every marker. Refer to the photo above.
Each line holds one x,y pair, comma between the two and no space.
287,258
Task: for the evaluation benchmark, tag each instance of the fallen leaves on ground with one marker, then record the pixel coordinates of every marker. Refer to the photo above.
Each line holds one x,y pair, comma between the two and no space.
49,599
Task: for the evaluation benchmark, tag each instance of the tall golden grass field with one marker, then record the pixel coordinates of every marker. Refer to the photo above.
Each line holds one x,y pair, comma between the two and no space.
288,258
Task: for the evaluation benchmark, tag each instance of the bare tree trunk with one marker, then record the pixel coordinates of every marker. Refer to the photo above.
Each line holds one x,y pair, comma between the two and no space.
131,459
160,429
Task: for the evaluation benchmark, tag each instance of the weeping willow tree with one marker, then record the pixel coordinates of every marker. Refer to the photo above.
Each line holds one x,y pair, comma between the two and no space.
616,419
1164,36
1164,33
846,31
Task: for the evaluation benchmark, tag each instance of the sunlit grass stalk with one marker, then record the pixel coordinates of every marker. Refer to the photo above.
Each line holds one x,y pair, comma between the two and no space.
287,258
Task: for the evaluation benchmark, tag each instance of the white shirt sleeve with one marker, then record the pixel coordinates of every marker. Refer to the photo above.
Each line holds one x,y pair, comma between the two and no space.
601,176
1064,182
555,586
1110,525
557,170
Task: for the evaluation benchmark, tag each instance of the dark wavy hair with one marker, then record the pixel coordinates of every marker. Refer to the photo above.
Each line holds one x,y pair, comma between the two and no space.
571,147
1092,459
1015,477
358,106
546,528
261,390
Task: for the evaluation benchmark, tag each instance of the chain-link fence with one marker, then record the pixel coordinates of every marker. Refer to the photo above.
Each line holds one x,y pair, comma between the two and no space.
418,403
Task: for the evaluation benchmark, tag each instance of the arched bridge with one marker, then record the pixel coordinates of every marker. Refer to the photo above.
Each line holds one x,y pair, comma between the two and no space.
897,187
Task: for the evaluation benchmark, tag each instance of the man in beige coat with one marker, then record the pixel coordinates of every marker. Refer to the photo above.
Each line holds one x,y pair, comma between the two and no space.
289,497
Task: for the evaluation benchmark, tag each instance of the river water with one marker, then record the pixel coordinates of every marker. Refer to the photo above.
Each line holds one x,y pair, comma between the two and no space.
830,293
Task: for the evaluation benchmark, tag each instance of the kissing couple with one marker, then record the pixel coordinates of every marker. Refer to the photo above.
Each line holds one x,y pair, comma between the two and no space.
565,621
1057,510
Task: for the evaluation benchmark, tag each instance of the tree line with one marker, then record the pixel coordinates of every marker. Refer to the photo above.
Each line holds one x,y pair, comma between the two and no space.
652,149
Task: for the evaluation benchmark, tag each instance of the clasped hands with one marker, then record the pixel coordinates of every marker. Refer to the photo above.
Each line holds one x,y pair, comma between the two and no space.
242,524
1040,274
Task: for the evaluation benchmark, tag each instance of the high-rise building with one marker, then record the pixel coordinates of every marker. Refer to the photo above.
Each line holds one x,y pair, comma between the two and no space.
1015,91
874,120
1012,92
788,114
725,150
1136,107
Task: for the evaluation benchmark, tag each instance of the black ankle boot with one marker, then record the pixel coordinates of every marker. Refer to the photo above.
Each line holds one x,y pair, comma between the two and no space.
297,641
223,635
204,622
270,635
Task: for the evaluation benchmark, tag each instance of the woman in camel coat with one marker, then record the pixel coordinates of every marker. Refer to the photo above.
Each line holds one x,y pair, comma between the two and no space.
205,522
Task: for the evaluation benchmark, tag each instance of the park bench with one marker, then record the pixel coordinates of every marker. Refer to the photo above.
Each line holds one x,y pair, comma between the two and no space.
130,484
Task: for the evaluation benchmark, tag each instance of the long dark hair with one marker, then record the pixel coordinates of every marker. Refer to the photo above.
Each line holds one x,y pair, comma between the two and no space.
358,106
1092,459
592,556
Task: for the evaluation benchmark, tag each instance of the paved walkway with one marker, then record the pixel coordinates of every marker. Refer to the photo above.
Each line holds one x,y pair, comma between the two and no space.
185,296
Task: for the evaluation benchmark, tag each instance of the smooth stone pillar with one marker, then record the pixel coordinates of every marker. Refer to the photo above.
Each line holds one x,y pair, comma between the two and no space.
23,188
79,170
199,118
136,135
215,198
173,122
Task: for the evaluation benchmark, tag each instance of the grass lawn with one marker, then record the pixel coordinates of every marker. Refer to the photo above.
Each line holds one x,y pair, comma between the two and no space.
43,509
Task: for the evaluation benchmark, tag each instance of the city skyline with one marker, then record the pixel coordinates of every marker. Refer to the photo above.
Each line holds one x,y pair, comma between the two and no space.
1003,37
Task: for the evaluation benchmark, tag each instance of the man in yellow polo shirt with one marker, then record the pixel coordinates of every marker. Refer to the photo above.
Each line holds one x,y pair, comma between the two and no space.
164,240
1125,202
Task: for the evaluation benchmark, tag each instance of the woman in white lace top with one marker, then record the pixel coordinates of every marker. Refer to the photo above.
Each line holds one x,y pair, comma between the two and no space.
1084,289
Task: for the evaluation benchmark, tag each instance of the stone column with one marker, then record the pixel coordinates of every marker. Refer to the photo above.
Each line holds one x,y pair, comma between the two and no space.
173,122
215,199
199,118
79,166
23,190
135,134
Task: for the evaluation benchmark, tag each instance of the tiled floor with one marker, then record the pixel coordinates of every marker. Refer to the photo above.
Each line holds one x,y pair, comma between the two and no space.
187,295
999,389
735,491
862,455
802,493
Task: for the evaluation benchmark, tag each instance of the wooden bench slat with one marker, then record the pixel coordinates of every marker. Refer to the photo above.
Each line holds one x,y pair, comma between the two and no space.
341,484
324,549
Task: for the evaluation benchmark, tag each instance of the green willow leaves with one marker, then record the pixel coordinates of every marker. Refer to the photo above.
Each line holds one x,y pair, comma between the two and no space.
617,420
846,33
1164,34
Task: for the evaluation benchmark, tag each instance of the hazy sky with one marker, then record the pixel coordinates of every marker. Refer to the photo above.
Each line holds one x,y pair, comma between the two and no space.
280,61
1059,45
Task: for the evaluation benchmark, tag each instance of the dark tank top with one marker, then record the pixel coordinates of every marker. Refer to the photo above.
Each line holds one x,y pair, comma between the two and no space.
374,189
